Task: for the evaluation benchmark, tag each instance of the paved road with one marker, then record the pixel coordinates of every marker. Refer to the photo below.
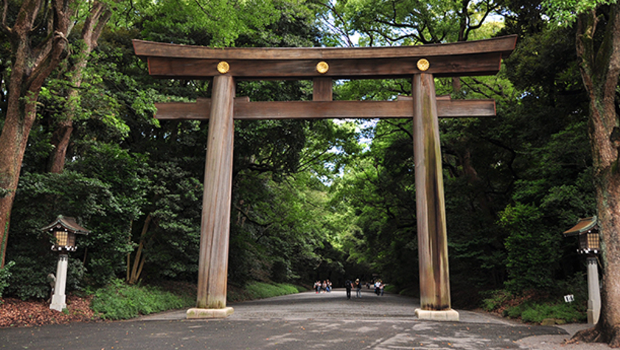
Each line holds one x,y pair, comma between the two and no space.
301,321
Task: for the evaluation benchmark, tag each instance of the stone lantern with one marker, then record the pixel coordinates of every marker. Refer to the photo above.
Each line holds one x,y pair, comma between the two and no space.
63,229
587,230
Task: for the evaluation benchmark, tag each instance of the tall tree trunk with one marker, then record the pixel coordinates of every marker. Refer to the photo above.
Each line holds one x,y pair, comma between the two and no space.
29,69
93,26
600,68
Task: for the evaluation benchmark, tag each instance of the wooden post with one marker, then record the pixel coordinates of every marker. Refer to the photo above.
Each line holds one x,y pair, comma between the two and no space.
215,226
430,207
322,89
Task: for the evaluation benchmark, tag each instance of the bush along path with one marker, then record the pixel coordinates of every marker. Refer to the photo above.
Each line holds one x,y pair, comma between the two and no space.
121,301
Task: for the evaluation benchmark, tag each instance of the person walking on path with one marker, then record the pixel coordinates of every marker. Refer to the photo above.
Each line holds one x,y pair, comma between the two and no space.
358,288
348,286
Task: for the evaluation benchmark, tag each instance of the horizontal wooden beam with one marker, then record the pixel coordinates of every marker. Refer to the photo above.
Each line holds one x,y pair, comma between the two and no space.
503,45
443,66
467,58
245,110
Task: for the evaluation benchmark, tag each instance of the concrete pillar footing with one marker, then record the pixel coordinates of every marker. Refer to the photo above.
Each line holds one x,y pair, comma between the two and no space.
195,313
433,315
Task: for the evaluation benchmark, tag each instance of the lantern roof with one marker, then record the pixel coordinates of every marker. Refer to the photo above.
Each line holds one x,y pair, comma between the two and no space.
583,226
67,223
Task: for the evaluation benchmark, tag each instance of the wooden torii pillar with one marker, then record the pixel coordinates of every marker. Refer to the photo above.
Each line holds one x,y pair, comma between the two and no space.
322,65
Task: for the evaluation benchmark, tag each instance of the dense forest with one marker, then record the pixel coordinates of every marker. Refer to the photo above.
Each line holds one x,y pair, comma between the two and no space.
312,199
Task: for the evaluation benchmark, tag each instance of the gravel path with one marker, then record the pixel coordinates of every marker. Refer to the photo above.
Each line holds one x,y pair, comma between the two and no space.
394,310
298,322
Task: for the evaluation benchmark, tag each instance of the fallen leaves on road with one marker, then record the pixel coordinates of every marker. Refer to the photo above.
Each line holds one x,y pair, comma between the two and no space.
19,313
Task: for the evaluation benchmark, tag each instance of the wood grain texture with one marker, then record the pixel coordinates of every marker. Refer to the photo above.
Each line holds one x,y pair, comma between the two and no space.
215,225
322,89
504,45
245,110
430,204
369,68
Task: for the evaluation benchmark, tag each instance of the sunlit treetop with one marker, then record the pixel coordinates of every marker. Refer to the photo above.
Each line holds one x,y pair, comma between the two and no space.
564,12
222,20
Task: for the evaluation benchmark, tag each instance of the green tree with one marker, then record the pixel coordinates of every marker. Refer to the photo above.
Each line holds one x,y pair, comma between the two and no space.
37,32
597,45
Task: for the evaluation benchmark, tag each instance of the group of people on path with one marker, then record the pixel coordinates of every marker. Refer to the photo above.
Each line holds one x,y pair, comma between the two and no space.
357,285
324,287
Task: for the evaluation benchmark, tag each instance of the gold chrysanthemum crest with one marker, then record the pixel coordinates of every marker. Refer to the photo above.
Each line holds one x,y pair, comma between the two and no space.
223,67
322,67
423,64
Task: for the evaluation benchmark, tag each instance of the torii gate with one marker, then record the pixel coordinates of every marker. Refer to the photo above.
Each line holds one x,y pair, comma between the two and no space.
422,63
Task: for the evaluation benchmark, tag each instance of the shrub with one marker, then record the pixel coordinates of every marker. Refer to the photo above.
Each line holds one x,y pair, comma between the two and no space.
4,276
537,312
259,290
390,288
300,289
120,301
29,277
495,299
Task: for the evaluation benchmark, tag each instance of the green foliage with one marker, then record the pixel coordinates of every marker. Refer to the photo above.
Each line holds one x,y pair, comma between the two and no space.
531,250
118,301
29,277
534,307
533,312
564,12
495,298
222,21
260,290
407,22
5,274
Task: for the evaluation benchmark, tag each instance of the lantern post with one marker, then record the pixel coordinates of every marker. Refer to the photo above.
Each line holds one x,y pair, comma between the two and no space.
63,230
588,233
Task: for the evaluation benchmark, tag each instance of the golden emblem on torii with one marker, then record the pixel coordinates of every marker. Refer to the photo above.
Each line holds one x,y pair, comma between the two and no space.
322,67
423,64
223,67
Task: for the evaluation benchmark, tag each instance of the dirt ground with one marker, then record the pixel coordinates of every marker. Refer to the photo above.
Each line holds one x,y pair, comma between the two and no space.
20,313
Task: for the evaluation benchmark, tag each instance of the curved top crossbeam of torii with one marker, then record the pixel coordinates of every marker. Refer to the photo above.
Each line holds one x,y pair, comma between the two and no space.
446,60
471,58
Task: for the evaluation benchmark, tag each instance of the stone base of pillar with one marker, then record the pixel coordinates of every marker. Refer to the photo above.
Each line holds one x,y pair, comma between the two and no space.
209,313
58,302
443,315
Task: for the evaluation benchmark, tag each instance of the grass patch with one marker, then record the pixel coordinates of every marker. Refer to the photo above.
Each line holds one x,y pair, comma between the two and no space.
260,290
118,300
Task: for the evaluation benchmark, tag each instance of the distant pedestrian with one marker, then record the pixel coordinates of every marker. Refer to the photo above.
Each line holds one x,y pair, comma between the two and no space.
317,286
358,288
348,286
